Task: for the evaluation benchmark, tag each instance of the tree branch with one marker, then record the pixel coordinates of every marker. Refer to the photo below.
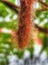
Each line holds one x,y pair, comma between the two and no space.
43,4
40,10
11,5
44,30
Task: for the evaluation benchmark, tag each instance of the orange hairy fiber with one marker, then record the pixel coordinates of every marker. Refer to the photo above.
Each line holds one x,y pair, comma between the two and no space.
26,22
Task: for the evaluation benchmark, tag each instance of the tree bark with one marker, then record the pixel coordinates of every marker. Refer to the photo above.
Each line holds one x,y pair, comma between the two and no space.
26,25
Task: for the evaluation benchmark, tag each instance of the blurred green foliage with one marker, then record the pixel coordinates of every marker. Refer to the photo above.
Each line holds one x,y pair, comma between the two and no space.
13,24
